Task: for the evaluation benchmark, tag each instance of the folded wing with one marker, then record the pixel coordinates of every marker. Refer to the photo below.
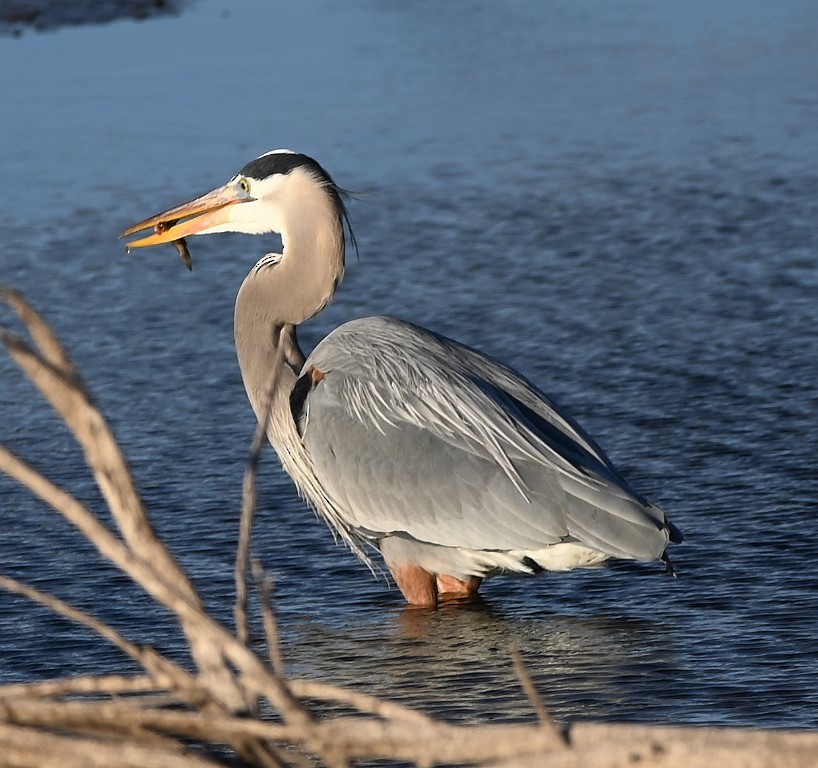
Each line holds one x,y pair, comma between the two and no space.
416,435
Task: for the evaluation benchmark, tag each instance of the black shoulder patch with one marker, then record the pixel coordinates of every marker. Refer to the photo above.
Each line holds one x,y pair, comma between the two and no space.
298,400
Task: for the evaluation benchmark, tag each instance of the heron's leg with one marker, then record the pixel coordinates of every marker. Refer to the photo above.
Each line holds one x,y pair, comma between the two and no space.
416,584
450,588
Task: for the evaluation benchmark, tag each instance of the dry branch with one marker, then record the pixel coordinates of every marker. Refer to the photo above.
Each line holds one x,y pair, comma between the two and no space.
59,382
162,670
38,748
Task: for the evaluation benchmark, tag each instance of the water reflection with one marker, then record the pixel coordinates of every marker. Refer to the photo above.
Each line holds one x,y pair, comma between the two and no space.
456,662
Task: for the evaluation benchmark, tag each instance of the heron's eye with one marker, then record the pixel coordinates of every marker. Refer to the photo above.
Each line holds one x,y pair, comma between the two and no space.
244,185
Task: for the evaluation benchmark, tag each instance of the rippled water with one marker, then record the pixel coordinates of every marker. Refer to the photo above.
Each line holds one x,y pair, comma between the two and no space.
620,203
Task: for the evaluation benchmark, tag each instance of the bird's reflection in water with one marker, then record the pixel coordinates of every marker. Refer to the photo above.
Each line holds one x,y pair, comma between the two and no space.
455,662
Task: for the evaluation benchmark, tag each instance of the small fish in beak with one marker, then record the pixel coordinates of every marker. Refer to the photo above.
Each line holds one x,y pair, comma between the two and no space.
206,213
180,244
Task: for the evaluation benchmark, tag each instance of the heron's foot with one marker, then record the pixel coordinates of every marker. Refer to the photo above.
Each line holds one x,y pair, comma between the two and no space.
451,589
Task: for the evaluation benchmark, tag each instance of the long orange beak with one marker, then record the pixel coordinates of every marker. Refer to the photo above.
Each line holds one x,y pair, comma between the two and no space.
191,218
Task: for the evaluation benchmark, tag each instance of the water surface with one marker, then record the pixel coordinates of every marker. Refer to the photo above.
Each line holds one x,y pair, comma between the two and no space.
619,201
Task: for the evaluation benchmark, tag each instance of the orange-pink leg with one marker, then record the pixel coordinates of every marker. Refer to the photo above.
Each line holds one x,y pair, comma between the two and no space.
423,589
450,588
417,585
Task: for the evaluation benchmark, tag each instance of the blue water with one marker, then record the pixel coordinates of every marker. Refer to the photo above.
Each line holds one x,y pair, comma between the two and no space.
619,200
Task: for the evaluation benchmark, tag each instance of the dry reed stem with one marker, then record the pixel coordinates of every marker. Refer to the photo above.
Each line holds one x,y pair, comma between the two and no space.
112,548
261,681
348,737
68,396
592,744
152,565
163,671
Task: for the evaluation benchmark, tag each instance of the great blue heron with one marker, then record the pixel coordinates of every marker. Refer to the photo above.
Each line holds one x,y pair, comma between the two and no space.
452,465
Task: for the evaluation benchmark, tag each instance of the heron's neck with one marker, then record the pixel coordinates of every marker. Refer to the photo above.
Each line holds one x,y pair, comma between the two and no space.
279,294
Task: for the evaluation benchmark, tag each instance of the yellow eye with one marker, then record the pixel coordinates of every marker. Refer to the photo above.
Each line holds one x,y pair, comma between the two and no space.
244,185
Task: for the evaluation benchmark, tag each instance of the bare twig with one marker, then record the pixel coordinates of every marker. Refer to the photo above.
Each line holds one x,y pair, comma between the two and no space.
45,339
151,564
366,738
248,513
113,685
164,672
346,737
264,586
248,508
533,695
107,544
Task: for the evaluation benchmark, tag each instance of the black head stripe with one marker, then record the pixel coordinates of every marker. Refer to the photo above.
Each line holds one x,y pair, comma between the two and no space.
283,163
286,162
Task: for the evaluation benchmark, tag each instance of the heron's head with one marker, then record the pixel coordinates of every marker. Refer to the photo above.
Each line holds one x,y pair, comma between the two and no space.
273,193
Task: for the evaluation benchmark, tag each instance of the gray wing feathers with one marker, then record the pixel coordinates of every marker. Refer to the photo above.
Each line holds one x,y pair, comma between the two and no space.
413,433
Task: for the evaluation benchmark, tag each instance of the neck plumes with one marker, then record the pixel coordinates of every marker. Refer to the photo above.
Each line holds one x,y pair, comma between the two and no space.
283,291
